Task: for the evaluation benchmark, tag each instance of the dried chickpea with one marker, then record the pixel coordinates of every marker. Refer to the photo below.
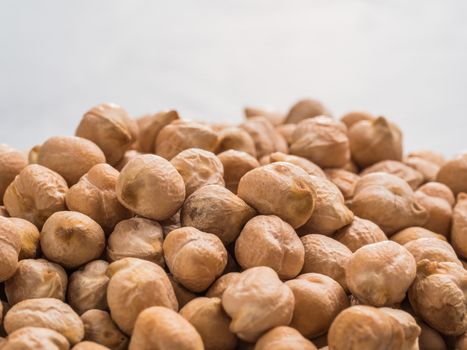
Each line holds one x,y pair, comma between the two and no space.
287,130
413,177
33,154
428,169
195,258
351,118
36,279
182,294
257,301
430,156
110,128
432,249
281,189
29,238
150,186
35,338
379,274
430,339
459,226
94,195
87,288
11,164
149,127
70,156
276,118
283,338
236,164
129,155
217,288
99,328
48,313
310,167
318,300
413,233
211,322
344,180
267,240
135,285
359,233
10,247
235,138
159,328
198,168
326,256
89,345
71,239
35,194
181,135
171,223
454,174
303,109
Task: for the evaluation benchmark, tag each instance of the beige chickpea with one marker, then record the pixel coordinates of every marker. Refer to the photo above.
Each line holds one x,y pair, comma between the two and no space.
459,226
48,313
267,240
326,256
287,130
235,138
283,338
318,300
413,233
275,117
10,247
439,295
222,283
87,288
36,279
351,118
195,258
94,195
359,233
182,294
432,249
265,137
29,238
136,238
150,126
281,189
236,164
129,155
70,156
135,285
110,128
454,174
344,180
198,168
181,135
171,223
89,345
216,210
150,186
11,164
310,167
159,328
35,338
428,169
33,154
430,339
413,177
379,274
211,322
99,328
35,194
430,156
303,109
71,239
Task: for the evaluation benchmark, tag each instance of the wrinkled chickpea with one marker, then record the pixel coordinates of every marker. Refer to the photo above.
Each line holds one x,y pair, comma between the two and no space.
428,169
149,127
303,109
351,118
283,338
235,138
10,247
413,177
35,338
217,288
432,249
310,167
454,174
412,233
459,226
29,238
236,164
11,163
100,328
344,180
359,233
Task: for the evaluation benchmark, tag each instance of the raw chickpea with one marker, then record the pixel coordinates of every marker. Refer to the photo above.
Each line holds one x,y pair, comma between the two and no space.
71,239
88,287
99,328
198,168
35,338
222,283
11,163
159,328
430,339
35,194
379,274
211,322
94,195
236,164
359,233
276,118
432,249
344,180
326,256
89,345
36,279
428,169
151,187
129,155
287,130
257,301
70,156
266,139
171,223
195,258
351,118
216,210
135,285
318,300
281,189
33,154
430,156
150,126
266,240
48,313
459,226
413,233
235,138
310,167
29,238
283,338
413,177
454,174
181,135
10,247
183,295
110,128
303,109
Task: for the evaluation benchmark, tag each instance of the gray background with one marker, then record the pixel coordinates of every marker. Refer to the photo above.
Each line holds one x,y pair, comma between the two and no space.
406,60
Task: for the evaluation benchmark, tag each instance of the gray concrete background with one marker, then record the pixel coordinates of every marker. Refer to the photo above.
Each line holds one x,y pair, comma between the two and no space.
406,60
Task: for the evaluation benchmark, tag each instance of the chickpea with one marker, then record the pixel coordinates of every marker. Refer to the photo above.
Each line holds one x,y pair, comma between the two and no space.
99,328
182,294
287,130
135,285
35,338
129,155
88,287
266,139
344,180
171,223
236,164
459,226
235,138
276,118
11,164
283,338
150,126
257,301
110,128
432,249
222,283
216,210
352,118
434,157
10,246
151,187
428,169
48,313
94,195
89,345
454,174
310,167
195,258
269,241
430,339
29,238
71,239
159,328
281,189
4,212
380,274
413,177
35,194
359,233
412,233
36,279
303,109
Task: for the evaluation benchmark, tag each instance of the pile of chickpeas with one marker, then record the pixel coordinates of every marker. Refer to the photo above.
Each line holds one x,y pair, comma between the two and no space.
289,231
